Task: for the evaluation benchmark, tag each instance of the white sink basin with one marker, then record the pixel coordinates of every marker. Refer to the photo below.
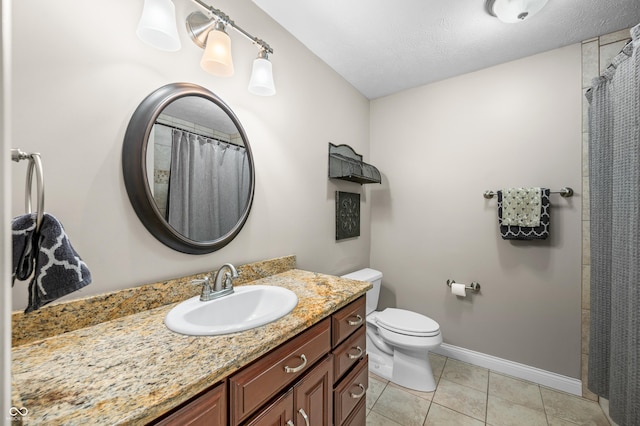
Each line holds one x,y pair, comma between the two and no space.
248,307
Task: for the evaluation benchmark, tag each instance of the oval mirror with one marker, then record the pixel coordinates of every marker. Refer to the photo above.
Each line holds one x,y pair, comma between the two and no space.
188,168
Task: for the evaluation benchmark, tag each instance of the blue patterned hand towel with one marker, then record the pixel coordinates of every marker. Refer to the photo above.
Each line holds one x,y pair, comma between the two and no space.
57,268
523,213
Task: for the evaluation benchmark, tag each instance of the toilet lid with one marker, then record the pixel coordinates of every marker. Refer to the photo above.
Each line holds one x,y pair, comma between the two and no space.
407,322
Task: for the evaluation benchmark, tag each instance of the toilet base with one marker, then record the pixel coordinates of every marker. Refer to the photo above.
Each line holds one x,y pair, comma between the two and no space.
410,370
413,371
379,367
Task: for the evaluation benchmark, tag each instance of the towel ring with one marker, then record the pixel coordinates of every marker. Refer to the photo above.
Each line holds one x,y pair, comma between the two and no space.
35,164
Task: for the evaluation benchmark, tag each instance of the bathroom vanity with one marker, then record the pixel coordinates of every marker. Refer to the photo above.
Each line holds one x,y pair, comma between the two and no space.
326,386
311,363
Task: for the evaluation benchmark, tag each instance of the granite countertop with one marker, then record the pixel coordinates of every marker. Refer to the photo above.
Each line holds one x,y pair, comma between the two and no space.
131,370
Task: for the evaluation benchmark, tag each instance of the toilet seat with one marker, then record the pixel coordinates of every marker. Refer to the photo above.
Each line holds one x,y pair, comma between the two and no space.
408,323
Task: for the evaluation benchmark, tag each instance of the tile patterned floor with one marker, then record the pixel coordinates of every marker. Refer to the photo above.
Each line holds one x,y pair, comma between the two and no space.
467,395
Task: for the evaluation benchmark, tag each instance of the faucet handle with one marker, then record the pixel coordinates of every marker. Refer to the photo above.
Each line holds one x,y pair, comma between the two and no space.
206,287
228,280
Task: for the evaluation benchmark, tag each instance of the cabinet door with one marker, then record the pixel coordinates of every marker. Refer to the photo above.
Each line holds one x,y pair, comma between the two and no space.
280,413
313,402
209,409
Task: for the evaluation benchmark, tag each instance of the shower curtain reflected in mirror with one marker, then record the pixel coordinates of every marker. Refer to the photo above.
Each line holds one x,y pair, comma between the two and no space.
614,173
208,186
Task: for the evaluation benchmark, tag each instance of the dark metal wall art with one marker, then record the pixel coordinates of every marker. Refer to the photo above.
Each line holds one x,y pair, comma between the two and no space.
347,215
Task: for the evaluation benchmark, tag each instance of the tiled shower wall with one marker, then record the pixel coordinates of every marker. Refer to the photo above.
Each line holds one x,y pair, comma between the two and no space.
597,54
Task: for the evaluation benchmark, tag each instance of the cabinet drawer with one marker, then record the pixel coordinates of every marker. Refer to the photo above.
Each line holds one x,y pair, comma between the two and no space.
350,391
359,415
349,352
255,384
208,409
347,320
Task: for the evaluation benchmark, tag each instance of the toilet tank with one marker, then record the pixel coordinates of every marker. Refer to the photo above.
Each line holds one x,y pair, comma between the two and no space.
375,278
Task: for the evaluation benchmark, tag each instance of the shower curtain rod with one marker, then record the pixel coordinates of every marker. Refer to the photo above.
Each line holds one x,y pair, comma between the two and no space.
198,134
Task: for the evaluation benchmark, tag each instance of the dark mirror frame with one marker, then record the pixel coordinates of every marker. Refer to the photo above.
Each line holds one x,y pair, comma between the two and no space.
134,168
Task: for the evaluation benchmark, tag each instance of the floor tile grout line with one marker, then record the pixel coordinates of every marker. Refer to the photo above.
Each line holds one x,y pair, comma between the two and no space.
440,375
486,402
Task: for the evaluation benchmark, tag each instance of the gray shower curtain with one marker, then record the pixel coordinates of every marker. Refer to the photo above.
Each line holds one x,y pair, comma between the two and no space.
208,186
614,164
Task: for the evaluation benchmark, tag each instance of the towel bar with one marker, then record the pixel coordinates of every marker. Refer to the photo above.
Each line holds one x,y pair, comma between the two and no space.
564,192
474,286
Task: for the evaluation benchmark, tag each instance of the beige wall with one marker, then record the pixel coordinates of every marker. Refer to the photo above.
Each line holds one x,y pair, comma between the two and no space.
80,72
440,147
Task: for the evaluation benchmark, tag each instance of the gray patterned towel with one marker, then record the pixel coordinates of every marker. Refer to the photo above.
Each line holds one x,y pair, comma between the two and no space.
57,268
540,232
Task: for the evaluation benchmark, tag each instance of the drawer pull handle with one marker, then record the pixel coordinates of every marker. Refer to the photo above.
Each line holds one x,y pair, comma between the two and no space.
358,395
290,423
304,416
288,369
359,349
356,322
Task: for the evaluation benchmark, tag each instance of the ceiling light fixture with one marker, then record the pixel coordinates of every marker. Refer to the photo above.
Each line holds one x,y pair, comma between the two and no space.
511,11
209,33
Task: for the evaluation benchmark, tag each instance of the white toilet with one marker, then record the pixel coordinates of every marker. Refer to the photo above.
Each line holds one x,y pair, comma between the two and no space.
398,341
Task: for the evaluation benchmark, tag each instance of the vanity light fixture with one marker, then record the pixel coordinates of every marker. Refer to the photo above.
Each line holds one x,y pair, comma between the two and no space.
157,25
511,11
209,33
216,58
261,82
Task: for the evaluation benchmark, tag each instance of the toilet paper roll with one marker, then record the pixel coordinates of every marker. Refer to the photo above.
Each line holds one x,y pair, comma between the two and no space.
458,289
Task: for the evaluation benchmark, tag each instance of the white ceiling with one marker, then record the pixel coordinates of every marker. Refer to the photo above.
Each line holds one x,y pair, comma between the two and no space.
383,47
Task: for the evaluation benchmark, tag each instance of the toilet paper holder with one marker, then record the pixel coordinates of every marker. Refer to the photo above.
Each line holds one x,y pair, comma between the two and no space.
474,286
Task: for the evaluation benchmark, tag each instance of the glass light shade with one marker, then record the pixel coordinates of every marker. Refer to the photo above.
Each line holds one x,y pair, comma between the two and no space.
261,82
157,25
217,54
511,11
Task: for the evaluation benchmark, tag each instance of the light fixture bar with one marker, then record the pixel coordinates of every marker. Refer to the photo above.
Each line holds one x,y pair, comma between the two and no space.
228,21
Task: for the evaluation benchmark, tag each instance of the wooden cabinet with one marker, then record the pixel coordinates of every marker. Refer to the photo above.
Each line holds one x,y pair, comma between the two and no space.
331,392
350,391
359,415
308,402
349,352
318,378
278,413
351,373
207,409
312,396
254,385
347,320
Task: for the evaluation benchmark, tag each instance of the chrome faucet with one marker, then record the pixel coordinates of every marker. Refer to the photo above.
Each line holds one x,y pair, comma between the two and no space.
222,283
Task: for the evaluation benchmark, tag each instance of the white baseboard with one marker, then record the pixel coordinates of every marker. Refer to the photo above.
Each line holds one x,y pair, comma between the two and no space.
521,371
